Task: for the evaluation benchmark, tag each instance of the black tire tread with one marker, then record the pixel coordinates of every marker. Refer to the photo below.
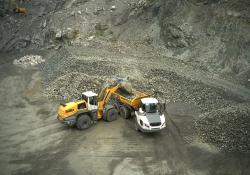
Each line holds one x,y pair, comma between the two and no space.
83,122
111,115
125,112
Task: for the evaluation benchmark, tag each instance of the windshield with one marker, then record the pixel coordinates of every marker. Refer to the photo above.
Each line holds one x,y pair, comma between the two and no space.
93,100
149,108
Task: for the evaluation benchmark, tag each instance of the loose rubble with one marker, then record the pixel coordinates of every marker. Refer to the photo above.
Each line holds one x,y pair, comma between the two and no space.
68,33
170,86
228,128
185,35
29,60
72,85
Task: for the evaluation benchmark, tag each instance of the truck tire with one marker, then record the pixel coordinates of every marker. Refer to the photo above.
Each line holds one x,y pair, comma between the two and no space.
83,122
125,112
111,115
117,107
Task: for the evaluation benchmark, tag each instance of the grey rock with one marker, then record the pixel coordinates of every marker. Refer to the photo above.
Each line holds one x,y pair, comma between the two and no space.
58,34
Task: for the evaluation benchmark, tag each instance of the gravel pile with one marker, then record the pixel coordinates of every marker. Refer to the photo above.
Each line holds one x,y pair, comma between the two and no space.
29,60
63,62
228,128
70,86
171,87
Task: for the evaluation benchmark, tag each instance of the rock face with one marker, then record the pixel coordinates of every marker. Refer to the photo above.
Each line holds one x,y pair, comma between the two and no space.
176,37
228,128
21,32
212,34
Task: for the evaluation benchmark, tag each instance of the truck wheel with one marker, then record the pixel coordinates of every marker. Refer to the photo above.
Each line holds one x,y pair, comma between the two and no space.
124,112
83,122
117,107
111,114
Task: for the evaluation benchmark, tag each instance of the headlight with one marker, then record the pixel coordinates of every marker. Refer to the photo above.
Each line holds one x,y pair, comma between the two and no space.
146,125
163,124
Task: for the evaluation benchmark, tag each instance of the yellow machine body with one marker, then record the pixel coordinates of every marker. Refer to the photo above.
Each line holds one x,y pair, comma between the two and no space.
70,109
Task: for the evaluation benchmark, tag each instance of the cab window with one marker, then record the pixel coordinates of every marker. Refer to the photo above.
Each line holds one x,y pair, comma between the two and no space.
149,108
85,98
93,100
82,106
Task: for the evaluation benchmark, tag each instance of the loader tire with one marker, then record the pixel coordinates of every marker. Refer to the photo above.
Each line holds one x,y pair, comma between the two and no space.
111,115
83,122
124,112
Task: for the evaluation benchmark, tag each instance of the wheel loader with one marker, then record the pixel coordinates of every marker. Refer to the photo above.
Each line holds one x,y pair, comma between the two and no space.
92,107
128,103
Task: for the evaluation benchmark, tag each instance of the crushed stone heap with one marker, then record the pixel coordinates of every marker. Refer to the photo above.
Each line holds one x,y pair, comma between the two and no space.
29,60
228,128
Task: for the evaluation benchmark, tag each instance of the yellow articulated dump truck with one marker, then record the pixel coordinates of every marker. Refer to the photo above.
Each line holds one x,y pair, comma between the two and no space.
142,107
130,103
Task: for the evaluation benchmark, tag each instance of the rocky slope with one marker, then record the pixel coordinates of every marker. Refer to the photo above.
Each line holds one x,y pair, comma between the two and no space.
212,34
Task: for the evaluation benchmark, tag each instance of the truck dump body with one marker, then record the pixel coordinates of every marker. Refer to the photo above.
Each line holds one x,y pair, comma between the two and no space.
132,99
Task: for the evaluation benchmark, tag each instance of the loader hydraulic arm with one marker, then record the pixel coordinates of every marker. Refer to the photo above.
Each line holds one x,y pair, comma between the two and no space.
103,97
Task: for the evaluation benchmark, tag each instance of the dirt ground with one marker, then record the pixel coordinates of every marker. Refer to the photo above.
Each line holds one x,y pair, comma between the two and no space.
34,142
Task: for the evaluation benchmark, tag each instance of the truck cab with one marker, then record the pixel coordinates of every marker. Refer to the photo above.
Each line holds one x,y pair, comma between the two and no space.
148,118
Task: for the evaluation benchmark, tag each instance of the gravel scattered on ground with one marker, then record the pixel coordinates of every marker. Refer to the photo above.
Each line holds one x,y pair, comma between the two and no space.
29,60
228,128
72,85
169,86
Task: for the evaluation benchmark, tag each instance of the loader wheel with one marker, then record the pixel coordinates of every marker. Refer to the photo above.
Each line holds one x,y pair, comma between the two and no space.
111,115
83,122
124,112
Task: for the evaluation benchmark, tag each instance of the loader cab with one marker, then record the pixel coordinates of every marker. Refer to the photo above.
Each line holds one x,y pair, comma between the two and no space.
91,99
